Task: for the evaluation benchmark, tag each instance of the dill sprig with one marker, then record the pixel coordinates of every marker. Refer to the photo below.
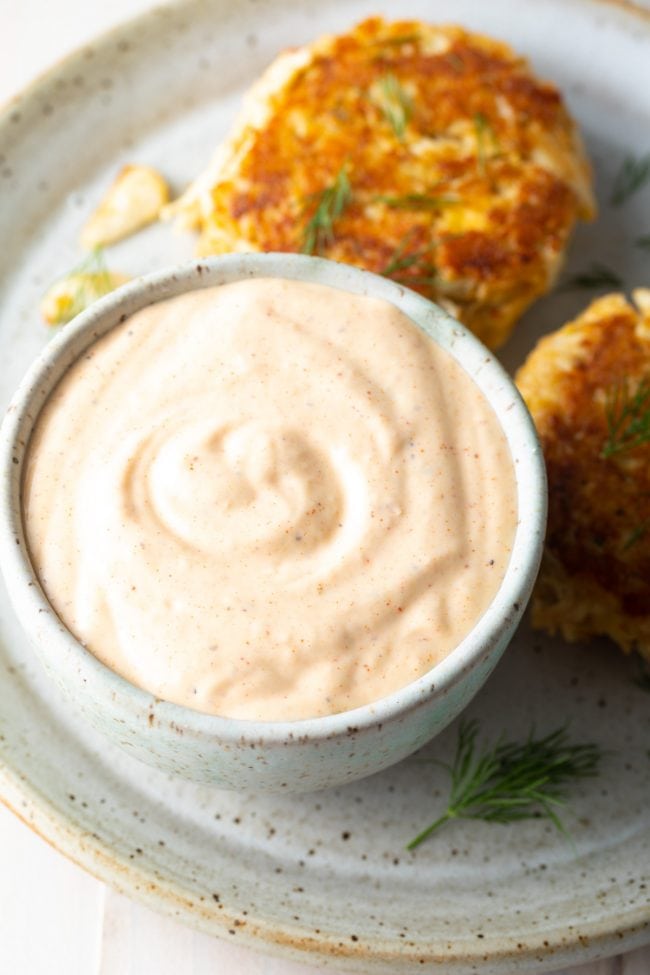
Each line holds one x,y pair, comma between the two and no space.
454,61
398,39
91,279
395,103
484,132
636,535
633,174
416,263
419,201
73,292
330,204
597,275
627,411
400,260
507,782
93,264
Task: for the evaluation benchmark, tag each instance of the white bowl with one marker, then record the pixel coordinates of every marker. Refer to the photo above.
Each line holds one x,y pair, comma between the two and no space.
294,756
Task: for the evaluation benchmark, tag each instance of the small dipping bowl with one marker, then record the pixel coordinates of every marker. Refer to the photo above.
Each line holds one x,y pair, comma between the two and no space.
291,756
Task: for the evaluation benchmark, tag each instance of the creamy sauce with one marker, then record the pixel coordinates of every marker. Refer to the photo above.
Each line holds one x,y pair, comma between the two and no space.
269,500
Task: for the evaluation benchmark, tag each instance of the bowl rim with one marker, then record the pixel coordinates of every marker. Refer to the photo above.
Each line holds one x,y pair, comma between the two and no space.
477,361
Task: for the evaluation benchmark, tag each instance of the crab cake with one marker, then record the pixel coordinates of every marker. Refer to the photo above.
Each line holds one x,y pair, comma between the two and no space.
588,389
424,153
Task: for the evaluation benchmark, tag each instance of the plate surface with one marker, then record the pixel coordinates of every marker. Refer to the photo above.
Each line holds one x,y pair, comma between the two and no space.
326,876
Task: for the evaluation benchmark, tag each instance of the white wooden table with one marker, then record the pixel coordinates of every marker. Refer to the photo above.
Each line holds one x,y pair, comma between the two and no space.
54,918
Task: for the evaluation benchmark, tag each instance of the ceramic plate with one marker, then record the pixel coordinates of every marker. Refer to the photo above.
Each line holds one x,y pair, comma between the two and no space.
326,876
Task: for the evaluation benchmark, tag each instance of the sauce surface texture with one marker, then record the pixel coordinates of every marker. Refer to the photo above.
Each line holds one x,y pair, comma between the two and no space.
269,500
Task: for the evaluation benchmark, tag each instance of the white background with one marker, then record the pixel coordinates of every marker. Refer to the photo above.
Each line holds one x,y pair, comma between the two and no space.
54,918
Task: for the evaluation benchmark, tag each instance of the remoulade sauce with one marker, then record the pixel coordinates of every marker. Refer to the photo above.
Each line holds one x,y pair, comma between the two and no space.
269,500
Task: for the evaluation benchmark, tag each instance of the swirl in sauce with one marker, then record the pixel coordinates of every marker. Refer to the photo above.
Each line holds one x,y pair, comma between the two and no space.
269,500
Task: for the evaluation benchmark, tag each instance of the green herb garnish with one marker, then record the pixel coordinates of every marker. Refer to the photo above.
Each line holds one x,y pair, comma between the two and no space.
507,782
398,40
635,536
93,264
400,260
484,132
418,201
72,293
596,276
627,411
632,175
395,103
330,204
455,61
417,261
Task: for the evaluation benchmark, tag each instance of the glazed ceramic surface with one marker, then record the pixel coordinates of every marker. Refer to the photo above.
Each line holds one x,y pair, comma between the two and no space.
326,876
292,756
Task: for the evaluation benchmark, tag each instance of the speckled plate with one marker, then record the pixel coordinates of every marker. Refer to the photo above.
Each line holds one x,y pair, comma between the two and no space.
326,877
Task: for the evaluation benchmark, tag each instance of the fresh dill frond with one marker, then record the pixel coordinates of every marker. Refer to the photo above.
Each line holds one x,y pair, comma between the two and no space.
419,201
597,275
400,260
330,204
455,61
398,39
411,267
627,411
73,292
93,263
395,103
636,535
484,132
633,174
509,781
479,129
643,242
93,280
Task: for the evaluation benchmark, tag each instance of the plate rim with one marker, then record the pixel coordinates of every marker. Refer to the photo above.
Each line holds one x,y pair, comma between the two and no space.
122,874
595,939
44,77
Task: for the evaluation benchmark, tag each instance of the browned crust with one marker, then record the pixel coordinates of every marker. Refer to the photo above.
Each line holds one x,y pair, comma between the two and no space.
328,117
599,506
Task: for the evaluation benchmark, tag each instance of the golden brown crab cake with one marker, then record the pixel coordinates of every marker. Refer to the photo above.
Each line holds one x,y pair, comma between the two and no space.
425,153
588,389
